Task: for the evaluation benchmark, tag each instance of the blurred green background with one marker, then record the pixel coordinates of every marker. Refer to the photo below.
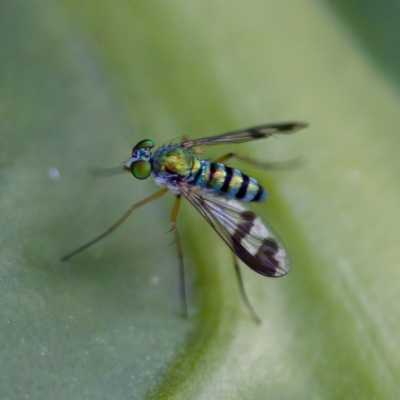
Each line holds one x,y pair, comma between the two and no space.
80,82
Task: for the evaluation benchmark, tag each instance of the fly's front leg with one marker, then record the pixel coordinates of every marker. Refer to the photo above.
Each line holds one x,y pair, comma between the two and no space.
175,211
245,299
116,225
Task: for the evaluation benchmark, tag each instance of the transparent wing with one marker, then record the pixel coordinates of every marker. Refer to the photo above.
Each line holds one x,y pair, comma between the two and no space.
246,135
248,236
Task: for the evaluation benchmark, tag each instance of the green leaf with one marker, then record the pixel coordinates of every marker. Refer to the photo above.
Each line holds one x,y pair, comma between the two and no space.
82,82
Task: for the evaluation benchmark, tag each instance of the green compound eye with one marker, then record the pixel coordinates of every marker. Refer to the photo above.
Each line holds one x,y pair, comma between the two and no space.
141,169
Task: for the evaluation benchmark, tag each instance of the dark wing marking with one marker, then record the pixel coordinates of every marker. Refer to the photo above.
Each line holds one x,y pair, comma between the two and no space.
248,236
246,135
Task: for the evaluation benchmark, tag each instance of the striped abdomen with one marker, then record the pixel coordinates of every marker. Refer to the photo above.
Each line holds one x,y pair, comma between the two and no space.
230,182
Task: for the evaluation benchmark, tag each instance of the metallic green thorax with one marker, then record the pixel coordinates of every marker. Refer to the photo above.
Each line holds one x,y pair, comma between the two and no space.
176,165
175,161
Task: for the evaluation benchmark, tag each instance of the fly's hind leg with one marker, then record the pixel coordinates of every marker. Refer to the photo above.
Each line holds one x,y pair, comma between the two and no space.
175,211
243,294
277,166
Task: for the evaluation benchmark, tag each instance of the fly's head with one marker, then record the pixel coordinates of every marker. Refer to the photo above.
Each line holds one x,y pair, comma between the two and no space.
139,164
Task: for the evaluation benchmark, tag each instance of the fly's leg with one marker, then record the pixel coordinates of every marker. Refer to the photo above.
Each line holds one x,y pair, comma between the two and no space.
116,225
175,211
226,157
245,299
278,166
106,172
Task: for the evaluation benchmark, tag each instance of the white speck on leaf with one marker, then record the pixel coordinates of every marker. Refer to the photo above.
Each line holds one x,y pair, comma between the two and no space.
54,173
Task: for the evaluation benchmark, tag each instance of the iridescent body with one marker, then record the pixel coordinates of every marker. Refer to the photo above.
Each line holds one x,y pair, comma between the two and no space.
172,165
219,193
